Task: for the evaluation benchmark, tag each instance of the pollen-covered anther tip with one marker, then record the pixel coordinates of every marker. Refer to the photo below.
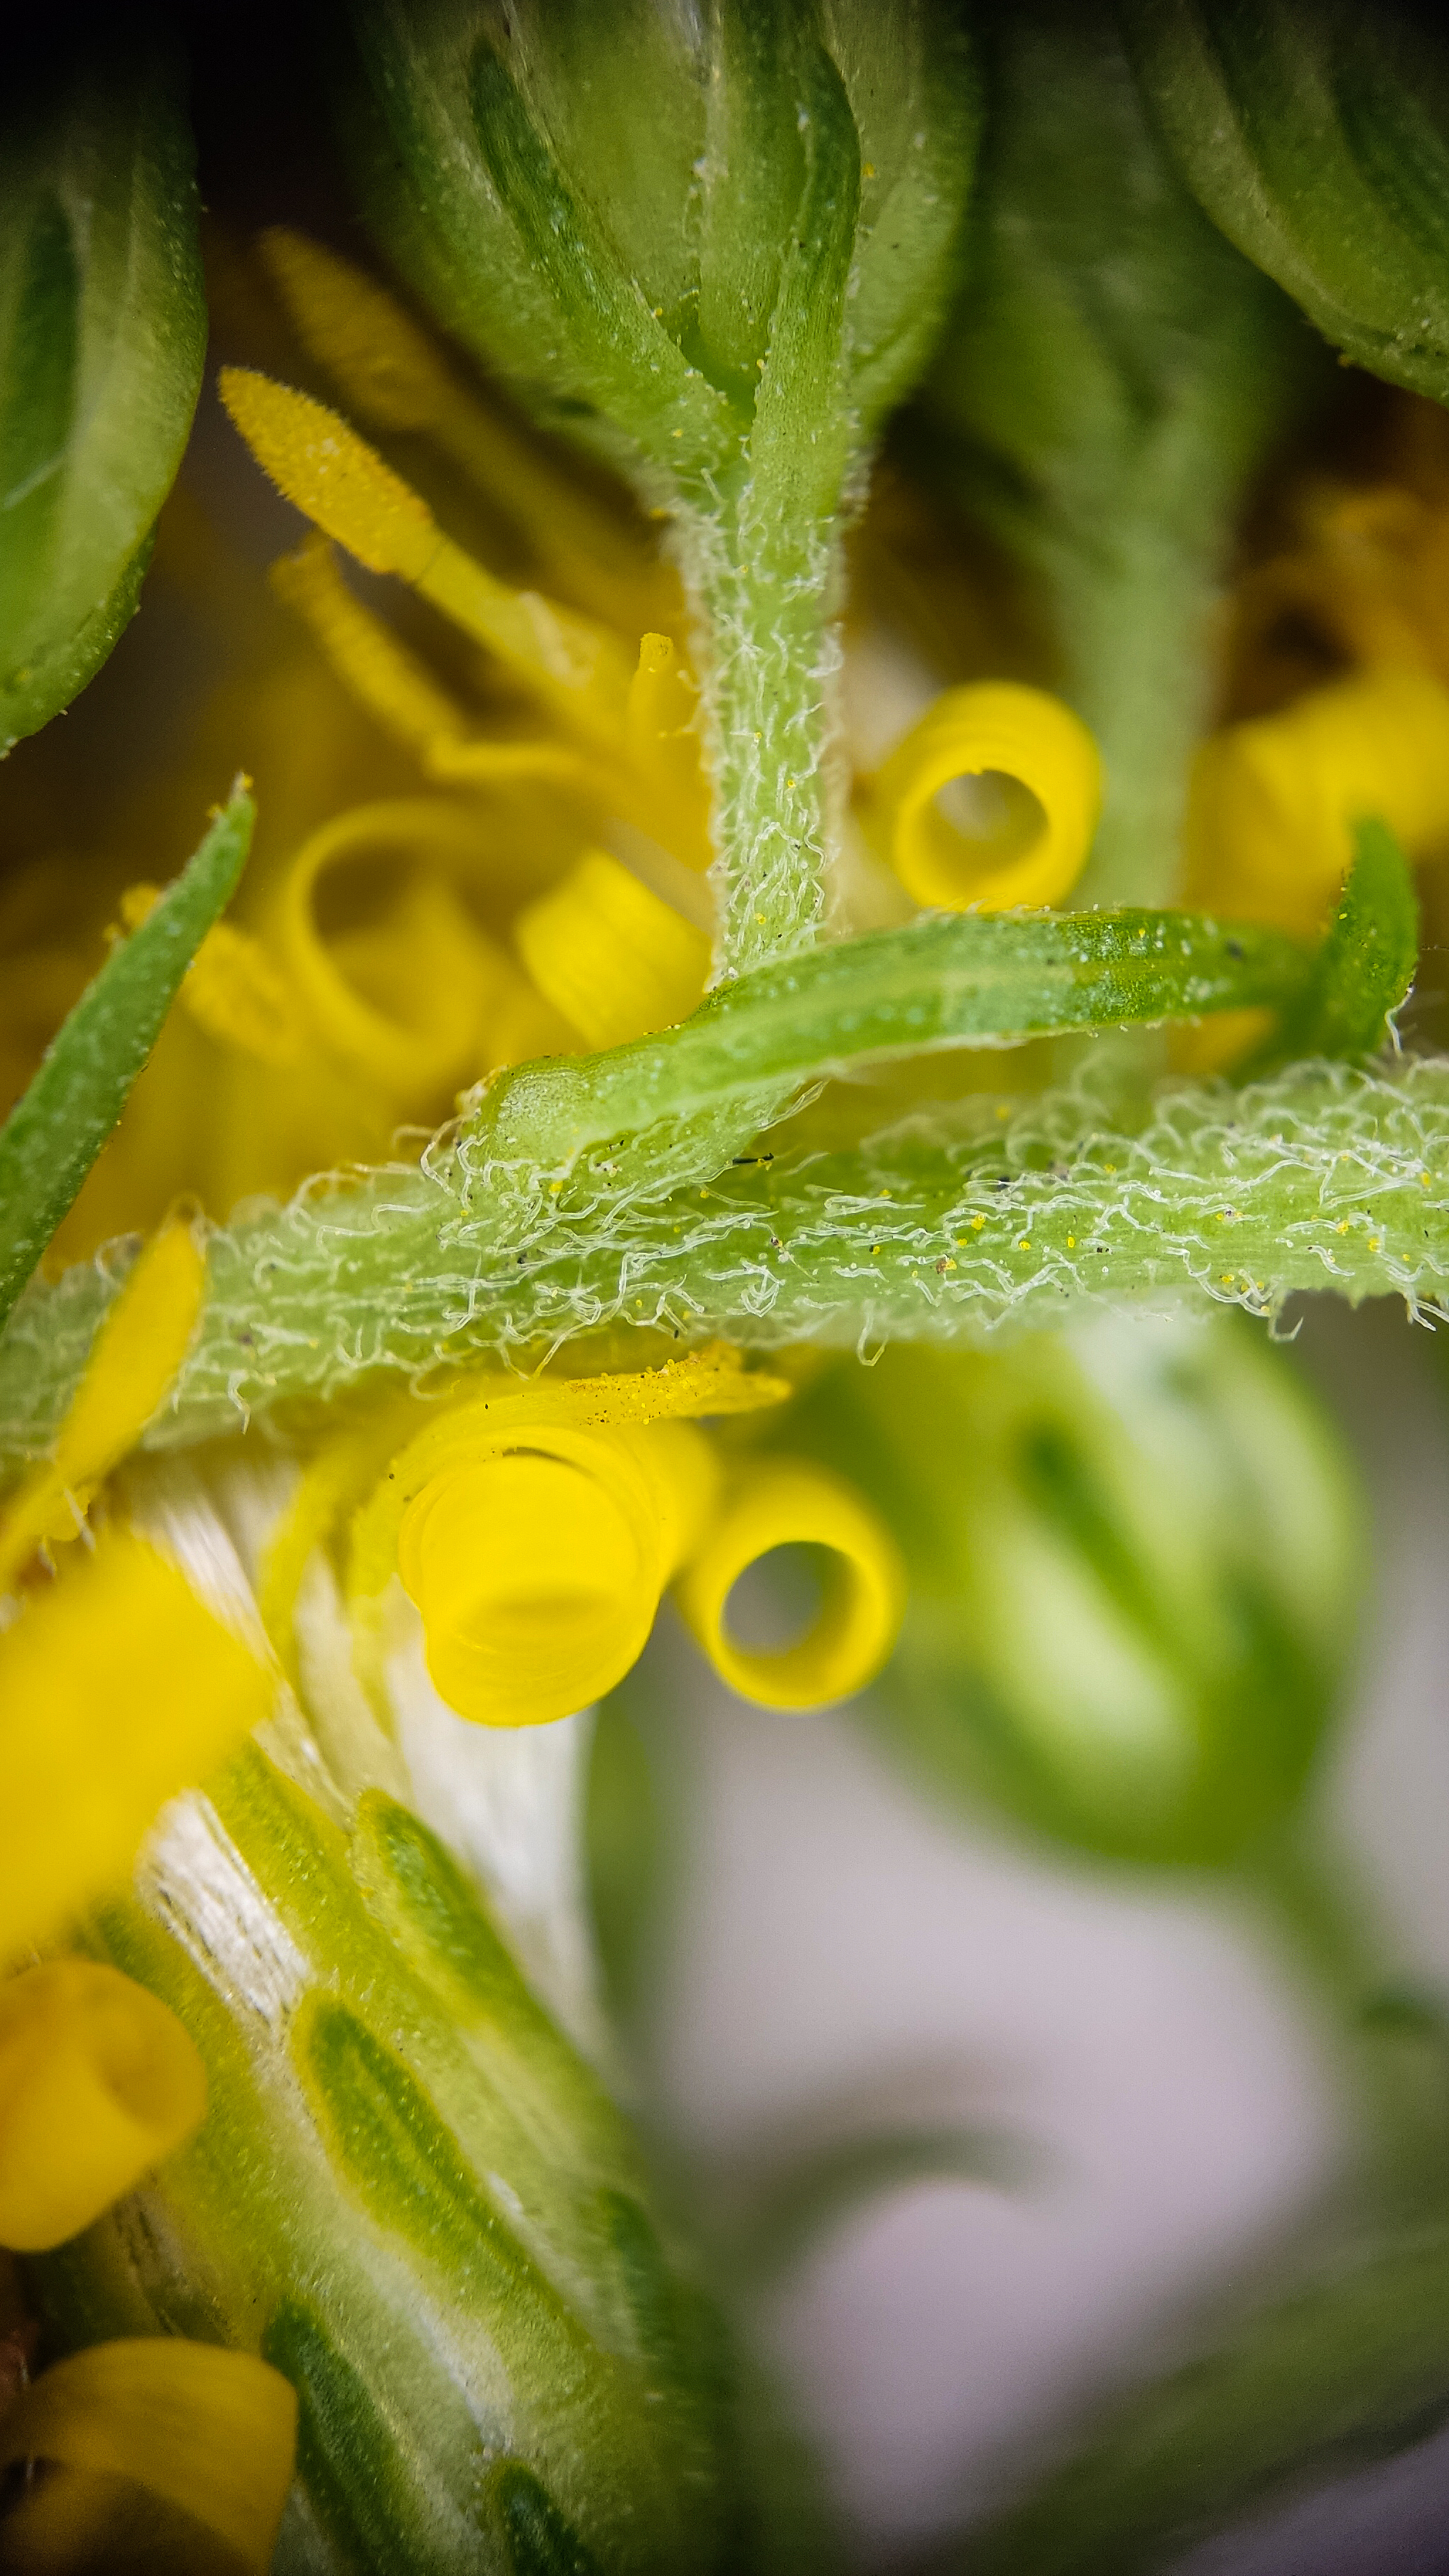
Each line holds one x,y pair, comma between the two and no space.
321,465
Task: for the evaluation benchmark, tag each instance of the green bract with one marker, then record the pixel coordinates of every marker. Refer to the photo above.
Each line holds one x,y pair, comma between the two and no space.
58,1126
102,338
413,2198
1316,134
717,242
1132,1552
1112,374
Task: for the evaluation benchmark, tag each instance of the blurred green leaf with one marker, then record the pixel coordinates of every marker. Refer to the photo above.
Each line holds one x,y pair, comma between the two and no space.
58,1126
102,339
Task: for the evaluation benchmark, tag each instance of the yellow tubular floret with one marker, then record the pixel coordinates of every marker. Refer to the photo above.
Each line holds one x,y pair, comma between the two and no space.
135,1357
208,2433
1274,800
534,1528
390,371
573,666
991,800
98,2081
786,1503
422,999
611,955
117,1688
537,1565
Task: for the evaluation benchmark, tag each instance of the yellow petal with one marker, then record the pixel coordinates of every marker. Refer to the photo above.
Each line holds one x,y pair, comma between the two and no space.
117,1688
133,1361
98,2081
611,955
1026,776
537,1562
1274,800
404,1002
212,2433
787,1503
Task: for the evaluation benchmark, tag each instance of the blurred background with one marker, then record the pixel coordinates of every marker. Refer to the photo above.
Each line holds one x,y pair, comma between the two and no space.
1163,2086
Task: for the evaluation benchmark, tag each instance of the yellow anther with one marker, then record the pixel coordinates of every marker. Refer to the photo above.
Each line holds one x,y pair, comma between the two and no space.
991,800
211,2434
98,2082
787,1503
118,1687
609,954
390,372
535,1528
136,1355
1274,800
405,1002
320,464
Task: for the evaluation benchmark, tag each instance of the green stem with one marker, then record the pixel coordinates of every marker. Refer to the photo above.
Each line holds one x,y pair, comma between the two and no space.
1396,2066
767,592
1324,1177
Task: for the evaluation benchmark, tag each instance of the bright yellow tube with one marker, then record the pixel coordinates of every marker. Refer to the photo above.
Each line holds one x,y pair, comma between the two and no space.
209,2432
98,2082
537,1562
784,1502
610,954
1028,777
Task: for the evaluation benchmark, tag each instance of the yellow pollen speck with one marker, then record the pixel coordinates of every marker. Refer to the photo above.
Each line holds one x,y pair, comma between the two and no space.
1109,1167
1424,1182
977,1223
1227,1279
553,1188
1375,1243
1024,1245
1071,1243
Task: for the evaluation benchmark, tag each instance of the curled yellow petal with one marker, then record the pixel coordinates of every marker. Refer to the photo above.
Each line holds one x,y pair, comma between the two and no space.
133,1362
98,2081
538,1564
783,1502
210,2433
117,1688
535,1527
991,799
404,1000
610,954
1274,800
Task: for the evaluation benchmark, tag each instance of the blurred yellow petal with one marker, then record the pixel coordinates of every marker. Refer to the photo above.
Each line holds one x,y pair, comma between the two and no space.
133,1361
783,1503
1274,800
209,2432
118,1688
611,955
991,799
98,2081
404,1001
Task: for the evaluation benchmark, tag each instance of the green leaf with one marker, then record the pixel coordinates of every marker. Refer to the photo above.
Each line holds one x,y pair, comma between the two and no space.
1316,135
56,1129
102,339
945,980
1366,965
